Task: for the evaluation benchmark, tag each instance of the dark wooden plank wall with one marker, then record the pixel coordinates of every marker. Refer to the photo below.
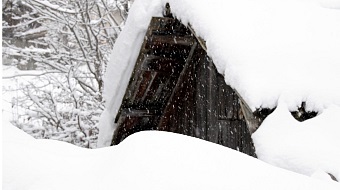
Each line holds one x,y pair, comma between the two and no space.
206,108
175,87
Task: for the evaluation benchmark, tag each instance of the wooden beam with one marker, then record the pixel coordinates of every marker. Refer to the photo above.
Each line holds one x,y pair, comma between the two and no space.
200,40
170,39
161,64
153,76
143,87
148,109
252,122
130,112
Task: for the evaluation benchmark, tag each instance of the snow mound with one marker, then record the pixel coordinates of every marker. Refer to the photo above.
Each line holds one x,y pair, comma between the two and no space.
145,160
304,147
332,4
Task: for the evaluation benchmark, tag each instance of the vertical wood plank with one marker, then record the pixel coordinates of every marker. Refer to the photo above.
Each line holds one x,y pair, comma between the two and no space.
229,108
225,132
212,103
193,104
221,97
201,99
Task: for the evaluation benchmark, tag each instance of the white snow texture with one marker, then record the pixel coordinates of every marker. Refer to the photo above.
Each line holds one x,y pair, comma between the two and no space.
146,160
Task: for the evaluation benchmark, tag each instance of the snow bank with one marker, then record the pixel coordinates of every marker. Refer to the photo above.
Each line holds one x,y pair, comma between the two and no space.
304,147
146,160
266,49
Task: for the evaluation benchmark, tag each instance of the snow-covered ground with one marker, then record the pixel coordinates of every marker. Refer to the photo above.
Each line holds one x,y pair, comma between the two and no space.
146,160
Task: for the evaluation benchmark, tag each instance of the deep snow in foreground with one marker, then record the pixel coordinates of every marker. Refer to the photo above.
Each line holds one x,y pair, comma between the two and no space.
145,160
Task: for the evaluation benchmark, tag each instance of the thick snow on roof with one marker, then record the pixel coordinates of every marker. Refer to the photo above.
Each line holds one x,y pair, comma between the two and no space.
272,49
147,160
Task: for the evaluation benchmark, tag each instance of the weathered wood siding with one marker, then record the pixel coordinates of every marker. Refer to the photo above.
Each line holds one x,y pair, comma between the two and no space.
206,108
175,87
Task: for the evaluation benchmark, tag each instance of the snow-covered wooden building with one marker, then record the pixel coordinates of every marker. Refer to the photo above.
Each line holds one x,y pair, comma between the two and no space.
219,70
175,87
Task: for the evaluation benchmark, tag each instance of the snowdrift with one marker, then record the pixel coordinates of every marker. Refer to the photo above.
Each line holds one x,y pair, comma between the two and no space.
145,160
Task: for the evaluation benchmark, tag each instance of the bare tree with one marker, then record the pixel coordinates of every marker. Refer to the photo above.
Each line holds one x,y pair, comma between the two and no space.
68,42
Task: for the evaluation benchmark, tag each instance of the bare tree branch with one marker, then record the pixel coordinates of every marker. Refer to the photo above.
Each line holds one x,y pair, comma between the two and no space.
29,74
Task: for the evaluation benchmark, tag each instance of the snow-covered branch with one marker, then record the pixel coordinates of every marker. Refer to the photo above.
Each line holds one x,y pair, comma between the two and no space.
29,74
68,43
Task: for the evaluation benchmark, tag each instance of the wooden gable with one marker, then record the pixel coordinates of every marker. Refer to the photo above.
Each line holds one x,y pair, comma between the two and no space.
175,87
